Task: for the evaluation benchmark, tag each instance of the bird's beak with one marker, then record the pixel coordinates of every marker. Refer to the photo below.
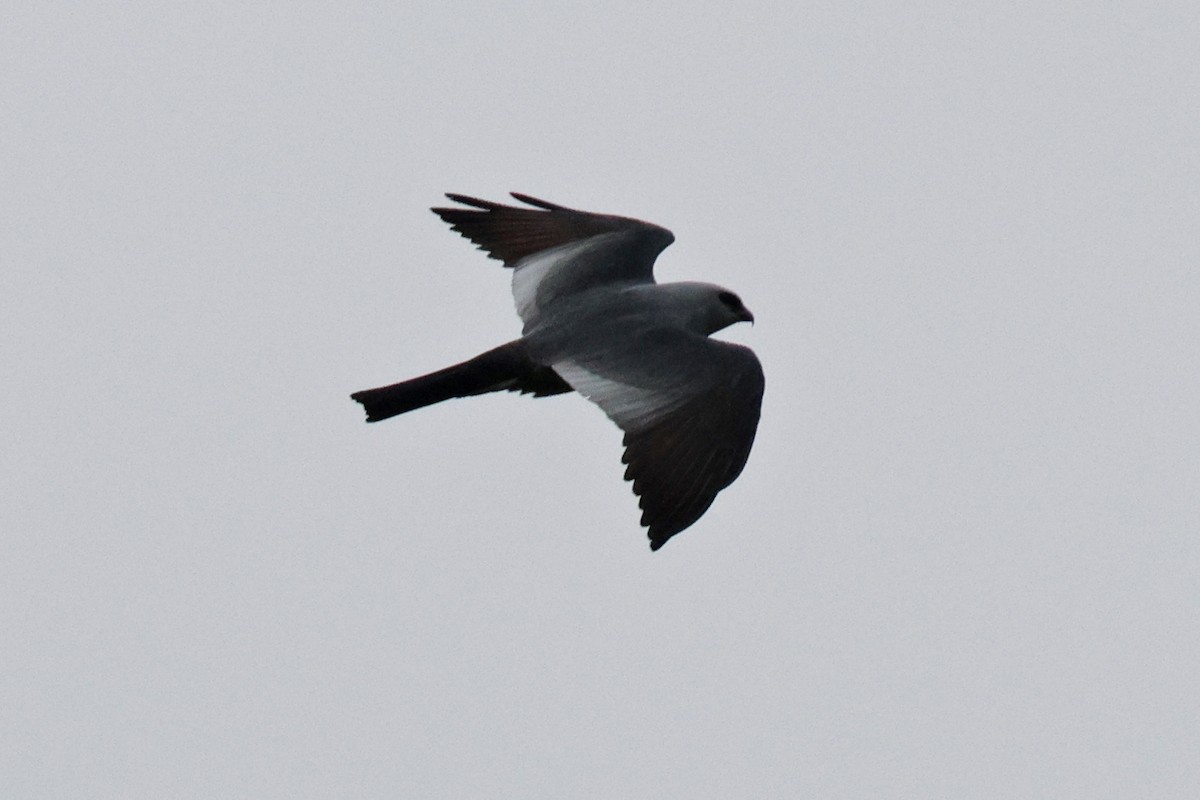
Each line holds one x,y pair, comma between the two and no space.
748,317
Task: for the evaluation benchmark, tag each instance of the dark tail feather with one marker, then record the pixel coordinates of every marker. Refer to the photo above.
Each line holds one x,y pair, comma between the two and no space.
506,368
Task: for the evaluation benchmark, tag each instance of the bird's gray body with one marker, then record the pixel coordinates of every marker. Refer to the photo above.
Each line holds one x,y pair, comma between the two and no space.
596,322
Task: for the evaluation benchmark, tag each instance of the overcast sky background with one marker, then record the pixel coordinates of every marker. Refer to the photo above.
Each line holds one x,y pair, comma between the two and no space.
962,560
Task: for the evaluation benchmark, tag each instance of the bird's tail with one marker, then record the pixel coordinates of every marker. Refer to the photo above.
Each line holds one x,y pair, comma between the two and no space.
506,368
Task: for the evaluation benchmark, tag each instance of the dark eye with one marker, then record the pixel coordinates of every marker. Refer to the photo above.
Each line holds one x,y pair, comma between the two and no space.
731,300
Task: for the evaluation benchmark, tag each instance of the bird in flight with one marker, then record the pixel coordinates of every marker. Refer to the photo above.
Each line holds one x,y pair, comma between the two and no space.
596,322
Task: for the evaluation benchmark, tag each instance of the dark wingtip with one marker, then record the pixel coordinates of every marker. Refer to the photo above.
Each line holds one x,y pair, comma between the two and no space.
488,205
657,539
467,200
533,201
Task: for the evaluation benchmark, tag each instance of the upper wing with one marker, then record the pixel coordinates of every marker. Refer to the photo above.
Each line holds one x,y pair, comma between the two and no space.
689,406
556,251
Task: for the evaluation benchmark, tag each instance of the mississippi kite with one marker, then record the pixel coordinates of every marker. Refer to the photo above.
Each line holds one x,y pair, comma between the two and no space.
595,322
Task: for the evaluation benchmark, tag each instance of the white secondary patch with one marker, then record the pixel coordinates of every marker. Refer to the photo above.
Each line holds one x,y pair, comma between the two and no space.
631,407
529,273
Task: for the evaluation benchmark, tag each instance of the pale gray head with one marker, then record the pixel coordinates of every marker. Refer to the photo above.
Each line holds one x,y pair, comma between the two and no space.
704,307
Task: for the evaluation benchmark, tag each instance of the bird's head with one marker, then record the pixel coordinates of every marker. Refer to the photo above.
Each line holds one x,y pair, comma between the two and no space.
714,308
734,305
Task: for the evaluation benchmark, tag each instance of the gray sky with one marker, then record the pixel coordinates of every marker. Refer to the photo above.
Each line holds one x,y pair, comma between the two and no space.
962,560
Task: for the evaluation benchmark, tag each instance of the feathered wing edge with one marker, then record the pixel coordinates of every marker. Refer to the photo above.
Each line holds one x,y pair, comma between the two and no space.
511,233
679,464
686,442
